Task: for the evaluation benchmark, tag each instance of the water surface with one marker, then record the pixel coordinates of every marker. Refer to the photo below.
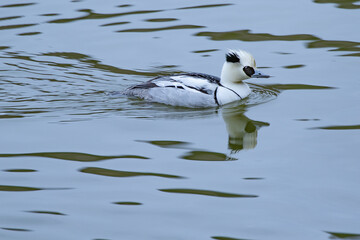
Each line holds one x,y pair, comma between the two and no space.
80,163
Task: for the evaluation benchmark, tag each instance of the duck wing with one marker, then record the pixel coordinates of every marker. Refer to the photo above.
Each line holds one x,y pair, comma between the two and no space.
199,82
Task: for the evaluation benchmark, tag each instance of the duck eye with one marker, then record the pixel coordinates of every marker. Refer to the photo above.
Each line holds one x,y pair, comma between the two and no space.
249,70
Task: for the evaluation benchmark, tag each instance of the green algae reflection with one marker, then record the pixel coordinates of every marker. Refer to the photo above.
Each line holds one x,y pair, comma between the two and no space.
227,238
48,212
117,173
339,235
90,14
5,188
73,156
207,193
346,4
314,42
296,87
167,143
128,203
247,36
340,127
206,156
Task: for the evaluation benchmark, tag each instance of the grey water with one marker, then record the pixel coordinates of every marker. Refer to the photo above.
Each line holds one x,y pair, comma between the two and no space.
79,163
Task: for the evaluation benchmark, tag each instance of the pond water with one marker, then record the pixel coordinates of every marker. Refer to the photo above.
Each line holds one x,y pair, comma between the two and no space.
80,163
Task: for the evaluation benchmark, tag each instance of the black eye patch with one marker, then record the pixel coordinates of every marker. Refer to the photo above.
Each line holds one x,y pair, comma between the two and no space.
249,71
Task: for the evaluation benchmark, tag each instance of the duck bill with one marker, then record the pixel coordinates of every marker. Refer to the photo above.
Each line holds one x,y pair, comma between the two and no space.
258,74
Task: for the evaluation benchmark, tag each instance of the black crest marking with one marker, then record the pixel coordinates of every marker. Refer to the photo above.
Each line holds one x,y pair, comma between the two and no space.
249,71
232,57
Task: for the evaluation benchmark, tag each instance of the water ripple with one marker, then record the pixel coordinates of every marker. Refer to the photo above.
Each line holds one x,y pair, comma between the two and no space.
9,18
346,46
343,235
117,173
315,42
48,212
177,27
7,27
340,127
113,24
206,156
207,193
161,19
16,229
128,203
92,15
247,36
17,5
207,6
346,4
96,64
168,144
296,87
227,238
73,156
7,188
294,66
20,170
29,33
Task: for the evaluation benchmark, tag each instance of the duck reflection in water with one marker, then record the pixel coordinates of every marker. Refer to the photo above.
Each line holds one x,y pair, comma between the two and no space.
242,130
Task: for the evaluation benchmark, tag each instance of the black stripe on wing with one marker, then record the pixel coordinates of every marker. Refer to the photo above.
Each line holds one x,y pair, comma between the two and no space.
210,78
152,83
202,90
145,85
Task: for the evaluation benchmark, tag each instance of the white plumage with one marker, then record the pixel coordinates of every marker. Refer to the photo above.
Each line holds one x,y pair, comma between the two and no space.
202,90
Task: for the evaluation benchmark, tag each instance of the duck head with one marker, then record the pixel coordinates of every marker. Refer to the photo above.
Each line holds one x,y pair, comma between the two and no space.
239,65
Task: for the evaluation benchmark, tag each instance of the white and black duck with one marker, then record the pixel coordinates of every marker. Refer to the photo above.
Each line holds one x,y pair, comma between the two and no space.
199,89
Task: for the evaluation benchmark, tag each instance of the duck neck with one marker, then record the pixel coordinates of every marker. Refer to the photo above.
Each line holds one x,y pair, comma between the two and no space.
230,79
241,88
